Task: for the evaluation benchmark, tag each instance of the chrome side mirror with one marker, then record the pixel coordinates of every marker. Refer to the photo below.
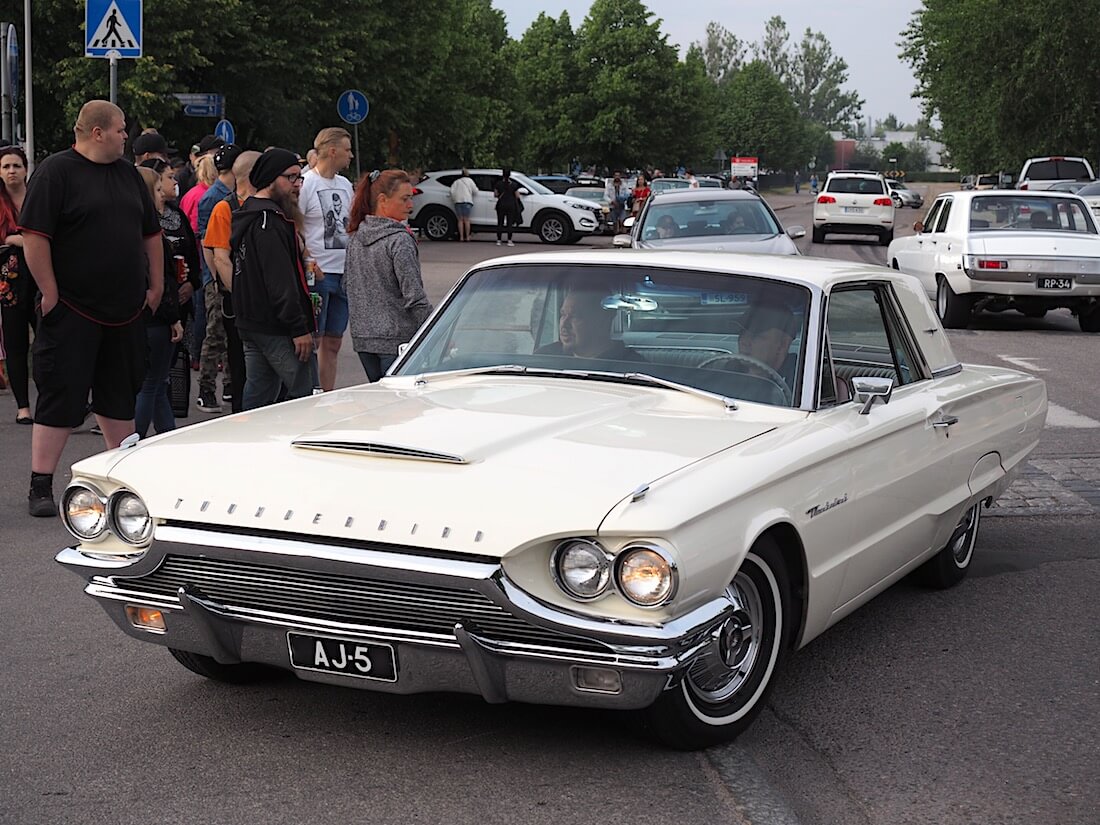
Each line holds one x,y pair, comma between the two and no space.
629,222
796,232
523,190
402,349
621,241
867,390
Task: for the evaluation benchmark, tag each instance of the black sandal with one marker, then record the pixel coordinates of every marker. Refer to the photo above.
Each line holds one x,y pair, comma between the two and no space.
24,419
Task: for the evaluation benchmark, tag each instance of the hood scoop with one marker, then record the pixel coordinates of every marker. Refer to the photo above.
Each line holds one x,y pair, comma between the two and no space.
376,450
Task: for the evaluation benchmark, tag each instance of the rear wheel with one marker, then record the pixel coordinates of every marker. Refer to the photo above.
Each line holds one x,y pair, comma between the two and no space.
727,684
553,227
238,674
1090,321
886,238
438,224
819,236
954,310
948,567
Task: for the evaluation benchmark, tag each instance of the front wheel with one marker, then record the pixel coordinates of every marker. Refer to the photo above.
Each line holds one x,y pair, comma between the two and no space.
954,310
1090,321
818,236
209,667
727,684
948,567
553,227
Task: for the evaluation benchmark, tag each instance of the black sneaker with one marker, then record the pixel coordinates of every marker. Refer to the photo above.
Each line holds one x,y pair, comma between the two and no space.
208,402
227,396
40,503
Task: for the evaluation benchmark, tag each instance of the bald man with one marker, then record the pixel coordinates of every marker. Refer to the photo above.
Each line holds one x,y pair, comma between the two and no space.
92,242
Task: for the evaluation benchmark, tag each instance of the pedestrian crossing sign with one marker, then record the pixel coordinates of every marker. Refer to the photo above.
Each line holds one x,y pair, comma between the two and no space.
113,28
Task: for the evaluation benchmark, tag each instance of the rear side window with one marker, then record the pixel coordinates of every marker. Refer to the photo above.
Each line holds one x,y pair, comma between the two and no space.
447,180
855,186
1058,170
941,223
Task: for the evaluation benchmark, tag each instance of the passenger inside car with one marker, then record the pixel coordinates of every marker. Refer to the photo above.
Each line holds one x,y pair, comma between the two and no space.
667,227
769,331
584,329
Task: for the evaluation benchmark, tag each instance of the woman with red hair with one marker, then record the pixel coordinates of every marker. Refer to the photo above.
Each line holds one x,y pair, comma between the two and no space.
17,288
382,272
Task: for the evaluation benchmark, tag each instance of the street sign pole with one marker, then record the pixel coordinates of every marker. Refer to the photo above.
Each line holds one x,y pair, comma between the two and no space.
352,106
7,117
114,79
28,107
358,171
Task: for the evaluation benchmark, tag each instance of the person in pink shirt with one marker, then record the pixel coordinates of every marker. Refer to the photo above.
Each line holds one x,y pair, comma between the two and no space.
189,203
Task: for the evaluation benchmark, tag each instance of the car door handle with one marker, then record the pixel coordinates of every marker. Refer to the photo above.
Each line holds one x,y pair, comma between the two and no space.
946,421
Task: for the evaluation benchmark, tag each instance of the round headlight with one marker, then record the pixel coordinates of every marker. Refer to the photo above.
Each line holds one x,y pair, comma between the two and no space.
581,569
646,576
85,512
130,518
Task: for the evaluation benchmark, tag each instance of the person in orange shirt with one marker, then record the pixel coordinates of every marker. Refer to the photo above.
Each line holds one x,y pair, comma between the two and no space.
217,241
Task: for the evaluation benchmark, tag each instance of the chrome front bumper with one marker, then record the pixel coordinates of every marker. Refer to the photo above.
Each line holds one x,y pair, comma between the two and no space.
456,624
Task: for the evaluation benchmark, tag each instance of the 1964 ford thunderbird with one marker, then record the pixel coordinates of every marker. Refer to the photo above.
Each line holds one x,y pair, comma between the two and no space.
614,479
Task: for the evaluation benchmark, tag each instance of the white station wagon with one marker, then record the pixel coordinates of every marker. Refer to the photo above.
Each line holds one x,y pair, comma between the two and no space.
622,480
996,250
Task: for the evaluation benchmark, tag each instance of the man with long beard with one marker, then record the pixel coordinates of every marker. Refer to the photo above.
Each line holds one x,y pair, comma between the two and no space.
270,296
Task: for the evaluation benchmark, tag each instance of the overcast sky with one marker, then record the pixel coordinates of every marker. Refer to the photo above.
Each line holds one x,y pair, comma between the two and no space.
863,32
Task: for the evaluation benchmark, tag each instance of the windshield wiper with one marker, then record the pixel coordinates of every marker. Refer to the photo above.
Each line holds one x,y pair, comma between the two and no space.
629,377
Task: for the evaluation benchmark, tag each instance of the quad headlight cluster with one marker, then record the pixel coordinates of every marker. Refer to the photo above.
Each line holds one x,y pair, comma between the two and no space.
90,515
643,574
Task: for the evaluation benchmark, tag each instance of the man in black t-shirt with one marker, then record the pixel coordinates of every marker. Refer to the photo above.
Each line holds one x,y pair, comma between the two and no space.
92,242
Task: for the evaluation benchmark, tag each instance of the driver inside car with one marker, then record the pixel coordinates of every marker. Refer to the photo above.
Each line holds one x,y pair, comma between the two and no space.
584,329
767,337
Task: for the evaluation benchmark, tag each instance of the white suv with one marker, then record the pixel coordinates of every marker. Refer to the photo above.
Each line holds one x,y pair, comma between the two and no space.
557,219
854,203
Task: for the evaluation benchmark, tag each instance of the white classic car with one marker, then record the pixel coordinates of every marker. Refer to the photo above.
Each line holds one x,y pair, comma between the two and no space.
1005,249
616,479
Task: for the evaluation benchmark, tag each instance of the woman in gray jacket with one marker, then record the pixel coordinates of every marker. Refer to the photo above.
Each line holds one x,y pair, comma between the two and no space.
382,272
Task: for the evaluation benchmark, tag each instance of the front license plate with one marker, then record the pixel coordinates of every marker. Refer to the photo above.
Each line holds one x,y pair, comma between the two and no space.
1054,283
854,210
325,654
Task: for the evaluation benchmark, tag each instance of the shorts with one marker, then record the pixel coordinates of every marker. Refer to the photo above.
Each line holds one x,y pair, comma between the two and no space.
463,210
74,355
333,318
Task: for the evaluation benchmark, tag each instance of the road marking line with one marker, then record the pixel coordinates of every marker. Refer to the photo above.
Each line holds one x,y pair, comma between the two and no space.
1061,417
1022,363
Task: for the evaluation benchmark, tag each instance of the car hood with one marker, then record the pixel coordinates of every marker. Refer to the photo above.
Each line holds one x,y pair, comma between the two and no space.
766,244
474,464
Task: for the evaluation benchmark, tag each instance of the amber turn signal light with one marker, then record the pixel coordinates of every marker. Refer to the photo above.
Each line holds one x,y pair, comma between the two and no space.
145,618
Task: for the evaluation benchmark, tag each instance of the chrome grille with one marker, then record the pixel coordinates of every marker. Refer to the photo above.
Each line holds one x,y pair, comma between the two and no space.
350,599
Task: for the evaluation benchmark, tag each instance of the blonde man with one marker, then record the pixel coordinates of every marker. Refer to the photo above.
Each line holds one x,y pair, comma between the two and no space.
325,201
91,236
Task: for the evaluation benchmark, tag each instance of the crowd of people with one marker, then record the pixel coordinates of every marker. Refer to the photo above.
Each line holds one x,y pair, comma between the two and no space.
245,264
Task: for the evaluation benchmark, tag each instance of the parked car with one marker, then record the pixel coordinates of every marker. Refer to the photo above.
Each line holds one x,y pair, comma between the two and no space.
556,219
652,517
1042,173
558,184
1005,249
902,195
729,220
1071,186
854,203
596,195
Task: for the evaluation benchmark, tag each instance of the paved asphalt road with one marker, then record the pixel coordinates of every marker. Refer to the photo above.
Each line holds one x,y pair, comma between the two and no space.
975,705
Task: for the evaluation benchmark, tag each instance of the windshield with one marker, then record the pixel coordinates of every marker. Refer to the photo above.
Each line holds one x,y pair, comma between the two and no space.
664,184
702,218
533,185
732,335
1022,213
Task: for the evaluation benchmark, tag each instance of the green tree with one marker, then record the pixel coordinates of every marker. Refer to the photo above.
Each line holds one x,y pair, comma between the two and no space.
723,53
548,85
759,119
916,156
816,80
1005,81
772,50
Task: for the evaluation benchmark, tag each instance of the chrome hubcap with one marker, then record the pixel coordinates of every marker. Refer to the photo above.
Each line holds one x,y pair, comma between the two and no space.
962,539
552,230
720,671
437,226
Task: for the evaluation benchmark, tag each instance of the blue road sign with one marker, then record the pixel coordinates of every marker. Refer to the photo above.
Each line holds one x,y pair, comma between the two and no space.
352,106
202,110
224,130
113,28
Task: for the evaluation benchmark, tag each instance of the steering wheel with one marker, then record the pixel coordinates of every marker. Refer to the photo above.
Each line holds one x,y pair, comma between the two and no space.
756,366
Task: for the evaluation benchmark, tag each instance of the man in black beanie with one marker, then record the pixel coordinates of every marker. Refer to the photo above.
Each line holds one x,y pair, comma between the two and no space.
270,296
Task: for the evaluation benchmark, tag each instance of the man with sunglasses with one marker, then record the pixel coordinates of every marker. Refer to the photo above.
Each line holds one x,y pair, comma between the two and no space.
270,297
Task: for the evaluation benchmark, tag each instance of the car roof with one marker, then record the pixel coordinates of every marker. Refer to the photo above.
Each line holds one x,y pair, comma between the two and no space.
967,194
855,173
712,194
820,273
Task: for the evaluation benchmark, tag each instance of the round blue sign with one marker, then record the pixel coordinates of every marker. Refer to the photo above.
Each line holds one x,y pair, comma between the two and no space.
352,106
224,130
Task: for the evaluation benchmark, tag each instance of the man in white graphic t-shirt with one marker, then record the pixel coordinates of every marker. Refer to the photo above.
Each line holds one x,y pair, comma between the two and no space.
325,201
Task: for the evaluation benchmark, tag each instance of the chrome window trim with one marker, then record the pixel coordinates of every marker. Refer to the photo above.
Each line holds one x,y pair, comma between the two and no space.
943,372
